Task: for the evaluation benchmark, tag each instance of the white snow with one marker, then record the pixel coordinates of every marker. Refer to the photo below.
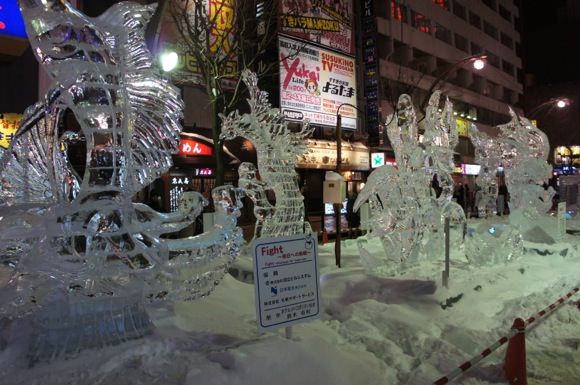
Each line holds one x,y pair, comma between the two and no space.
388,330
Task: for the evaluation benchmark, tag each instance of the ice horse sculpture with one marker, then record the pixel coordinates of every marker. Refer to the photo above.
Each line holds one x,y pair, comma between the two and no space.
278,149
404,208
76,245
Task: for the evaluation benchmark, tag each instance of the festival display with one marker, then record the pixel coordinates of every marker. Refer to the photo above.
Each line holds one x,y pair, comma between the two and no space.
404,208
278,149
76,250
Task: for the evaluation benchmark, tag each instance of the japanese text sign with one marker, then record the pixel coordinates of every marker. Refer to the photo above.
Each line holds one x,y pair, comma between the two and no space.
286,280
327,23
8,127
315,82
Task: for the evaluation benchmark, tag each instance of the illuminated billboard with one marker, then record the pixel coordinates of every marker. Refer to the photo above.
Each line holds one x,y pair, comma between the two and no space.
220,19
11,23
314,82
328,23
8,126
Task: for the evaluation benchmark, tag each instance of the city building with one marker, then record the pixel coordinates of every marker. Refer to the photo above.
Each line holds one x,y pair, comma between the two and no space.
417,46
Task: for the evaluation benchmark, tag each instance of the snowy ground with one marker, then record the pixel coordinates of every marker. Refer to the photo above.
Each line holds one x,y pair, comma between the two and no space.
374,330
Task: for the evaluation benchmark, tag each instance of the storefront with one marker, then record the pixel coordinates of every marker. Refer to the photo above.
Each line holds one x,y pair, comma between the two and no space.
312,167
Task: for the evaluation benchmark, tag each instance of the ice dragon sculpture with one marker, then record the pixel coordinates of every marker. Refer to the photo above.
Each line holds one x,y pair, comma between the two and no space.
403,206
72,239
278,149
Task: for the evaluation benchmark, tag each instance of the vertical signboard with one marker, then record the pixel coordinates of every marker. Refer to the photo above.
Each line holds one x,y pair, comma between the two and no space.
371,71
286,280
328,23
314,82
8,127
11,22
562,219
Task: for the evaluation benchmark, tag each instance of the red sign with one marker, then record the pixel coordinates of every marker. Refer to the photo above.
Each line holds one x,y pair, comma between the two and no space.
193,147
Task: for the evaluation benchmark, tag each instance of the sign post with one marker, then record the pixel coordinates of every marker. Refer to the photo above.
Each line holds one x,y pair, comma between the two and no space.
286,281
562,219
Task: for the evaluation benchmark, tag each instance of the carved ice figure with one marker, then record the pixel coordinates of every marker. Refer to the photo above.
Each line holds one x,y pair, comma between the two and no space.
525,150
404,209
277,149
72,239
488,156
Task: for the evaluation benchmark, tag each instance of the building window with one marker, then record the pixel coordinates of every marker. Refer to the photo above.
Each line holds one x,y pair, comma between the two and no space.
442,3
507,41
507,67
490,30
398,11
503,12
421,22
475,20
443,34
461,43
490,3
475,49
492,59
459,10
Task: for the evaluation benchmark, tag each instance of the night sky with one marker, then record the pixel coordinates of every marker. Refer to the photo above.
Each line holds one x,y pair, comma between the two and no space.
551,39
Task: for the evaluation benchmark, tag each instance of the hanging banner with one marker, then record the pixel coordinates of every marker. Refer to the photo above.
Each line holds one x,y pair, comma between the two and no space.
328,23
314,83
8,127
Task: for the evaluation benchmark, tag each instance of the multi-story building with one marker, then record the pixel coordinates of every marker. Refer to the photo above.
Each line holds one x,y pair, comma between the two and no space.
415,46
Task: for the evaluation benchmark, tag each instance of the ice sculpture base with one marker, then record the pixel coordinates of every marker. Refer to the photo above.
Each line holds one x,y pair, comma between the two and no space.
65,328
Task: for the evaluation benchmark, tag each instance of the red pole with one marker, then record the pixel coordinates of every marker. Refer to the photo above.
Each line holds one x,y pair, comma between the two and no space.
515,356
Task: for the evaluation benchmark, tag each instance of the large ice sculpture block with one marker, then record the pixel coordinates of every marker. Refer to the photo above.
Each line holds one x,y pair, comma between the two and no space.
72,238
405,208
277,148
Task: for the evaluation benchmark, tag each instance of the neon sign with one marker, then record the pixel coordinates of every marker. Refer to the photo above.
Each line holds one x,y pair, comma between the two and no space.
11,22
193,147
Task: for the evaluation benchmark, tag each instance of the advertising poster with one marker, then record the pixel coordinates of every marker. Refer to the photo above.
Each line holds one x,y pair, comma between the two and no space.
8,126
314,82
326,22
221,22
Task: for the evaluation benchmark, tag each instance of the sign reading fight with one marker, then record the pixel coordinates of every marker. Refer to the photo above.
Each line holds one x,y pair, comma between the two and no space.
193,147
314,82
8,127
328,23
286,280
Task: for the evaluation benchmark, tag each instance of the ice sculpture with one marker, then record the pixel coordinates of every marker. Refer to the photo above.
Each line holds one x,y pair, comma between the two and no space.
525,150
405,209
488,155
522,150
278,149
73,242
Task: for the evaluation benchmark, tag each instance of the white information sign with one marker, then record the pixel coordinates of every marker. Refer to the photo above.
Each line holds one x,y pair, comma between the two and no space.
562,219
286,280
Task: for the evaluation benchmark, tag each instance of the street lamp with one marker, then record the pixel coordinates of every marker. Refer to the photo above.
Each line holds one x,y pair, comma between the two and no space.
478,63
559,102
338,206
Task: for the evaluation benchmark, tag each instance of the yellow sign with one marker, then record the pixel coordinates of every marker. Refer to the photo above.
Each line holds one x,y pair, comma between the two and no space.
462,127
8,126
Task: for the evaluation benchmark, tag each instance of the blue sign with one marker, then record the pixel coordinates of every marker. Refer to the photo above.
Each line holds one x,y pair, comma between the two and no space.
11,22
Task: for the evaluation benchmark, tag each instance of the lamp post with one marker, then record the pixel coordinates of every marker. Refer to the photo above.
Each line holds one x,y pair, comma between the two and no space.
559,102
338,206
478,62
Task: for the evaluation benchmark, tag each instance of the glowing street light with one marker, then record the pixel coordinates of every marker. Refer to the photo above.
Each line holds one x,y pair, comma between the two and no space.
477,61
169,60
551,104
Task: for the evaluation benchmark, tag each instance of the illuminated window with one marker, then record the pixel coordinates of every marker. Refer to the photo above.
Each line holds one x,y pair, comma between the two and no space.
442,3
421,22
398,11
